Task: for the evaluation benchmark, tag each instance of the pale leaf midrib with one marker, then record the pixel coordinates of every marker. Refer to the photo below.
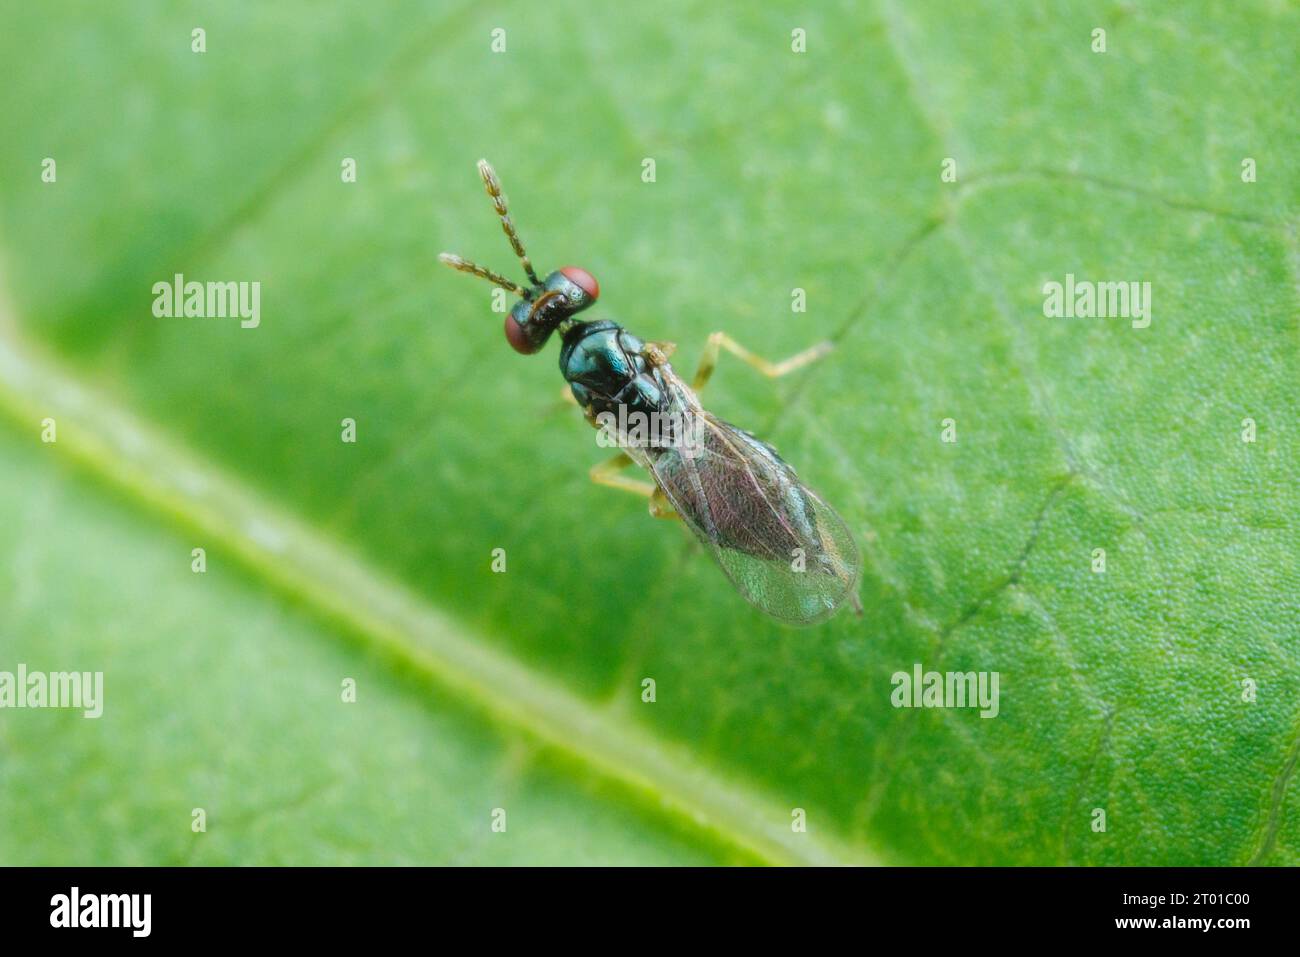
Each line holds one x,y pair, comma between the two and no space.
279,548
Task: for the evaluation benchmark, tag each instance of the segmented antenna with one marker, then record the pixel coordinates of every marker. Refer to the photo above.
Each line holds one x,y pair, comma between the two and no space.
499,203
464,265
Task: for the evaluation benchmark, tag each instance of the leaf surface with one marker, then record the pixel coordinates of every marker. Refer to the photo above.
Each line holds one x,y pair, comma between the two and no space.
773,171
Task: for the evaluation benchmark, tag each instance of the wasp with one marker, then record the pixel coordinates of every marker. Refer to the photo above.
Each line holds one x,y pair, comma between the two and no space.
783,548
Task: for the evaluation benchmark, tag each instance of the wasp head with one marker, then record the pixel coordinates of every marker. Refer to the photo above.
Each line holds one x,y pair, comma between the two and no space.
564,294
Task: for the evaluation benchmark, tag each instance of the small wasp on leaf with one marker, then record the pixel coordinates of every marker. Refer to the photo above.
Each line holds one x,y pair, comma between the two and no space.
786,551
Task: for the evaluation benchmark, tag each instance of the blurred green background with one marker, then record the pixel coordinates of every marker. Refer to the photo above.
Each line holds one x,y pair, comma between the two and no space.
775,170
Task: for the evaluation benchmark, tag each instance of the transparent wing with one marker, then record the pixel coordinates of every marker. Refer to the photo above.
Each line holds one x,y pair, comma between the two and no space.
785,550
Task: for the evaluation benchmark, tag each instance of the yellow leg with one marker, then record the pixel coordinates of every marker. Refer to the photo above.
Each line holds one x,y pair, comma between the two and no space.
660,507
609,472
720,340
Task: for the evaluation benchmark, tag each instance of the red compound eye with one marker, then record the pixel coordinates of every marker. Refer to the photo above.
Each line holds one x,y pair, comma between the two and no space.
582,279
517,338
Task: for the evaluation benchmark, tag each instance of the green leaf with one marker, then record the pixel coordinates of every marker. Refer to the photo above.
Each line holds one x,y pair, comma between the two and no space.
1122,691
